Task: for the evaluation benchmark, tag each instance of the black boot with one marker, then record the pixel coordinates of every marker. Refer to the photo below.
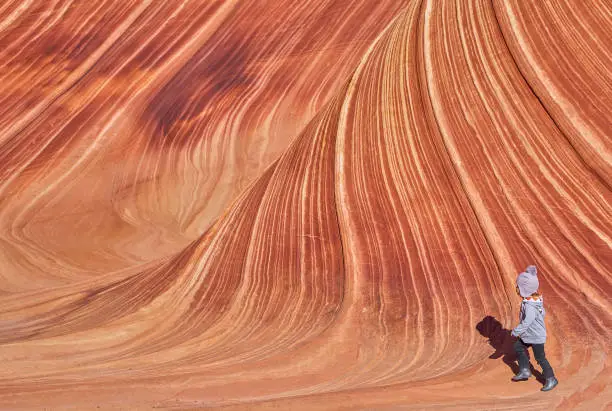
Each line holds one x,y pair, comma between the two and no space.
522,375
550,384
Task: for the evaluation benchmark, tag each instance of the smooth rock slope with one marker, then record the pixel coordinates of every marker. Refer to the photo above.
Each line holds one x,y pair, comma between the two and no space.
302,205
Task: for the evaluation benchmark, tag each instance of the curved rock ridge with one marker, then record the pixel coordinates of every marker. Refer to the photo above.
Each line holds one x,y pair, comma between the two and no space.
133,125
302,205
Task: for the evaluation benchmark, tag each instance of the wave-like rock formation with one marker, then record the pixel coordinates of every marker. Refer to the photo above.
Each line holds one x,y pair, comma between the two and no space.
315,204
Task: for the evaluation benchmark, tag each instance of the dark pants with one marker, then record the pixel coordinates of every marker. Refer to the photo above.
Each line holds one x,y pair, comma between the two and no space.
538,352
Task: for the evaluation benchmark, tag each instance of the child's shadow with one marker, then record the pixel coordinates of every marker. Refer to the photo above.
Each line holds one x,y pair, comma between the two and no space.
503,342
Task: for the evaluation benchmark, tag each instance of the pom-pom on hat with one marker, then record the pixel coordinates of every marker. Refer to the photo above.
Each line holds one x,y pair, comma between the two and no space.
527,281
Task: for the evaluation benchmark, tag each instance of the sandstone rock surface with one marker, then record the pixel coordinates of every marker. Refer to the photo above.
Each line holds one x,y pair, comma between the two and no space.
274,204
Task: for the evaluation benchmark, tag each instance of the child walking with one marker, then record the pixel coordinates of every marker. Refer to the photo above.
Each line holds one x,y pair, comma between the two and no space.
531,331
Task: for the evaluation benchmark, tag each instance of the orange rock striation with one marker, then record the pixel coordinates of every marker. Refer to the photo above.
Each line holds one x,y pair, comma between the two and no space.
302,205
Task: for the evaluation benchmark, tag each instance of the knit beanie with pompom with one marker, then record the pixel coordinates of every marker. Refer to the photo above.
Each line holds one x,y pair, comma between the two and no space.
527,281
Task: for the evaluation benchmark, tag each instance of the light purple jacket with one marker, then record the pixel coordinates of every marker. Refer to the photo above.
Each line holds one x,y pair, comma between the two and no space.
532,329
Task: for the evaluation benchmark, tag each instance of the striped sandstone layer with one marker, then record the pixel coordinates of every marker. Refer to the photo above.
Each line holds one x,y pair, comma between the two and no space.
301,205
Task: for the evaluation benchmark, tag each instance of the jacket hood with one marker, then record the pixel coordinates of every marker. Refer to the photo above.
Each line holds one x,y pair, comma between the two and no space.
536,303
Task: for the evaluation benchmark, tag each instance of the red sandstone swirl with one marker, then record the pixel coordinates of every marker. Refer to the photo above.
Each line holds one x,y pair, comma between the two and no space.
301,205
